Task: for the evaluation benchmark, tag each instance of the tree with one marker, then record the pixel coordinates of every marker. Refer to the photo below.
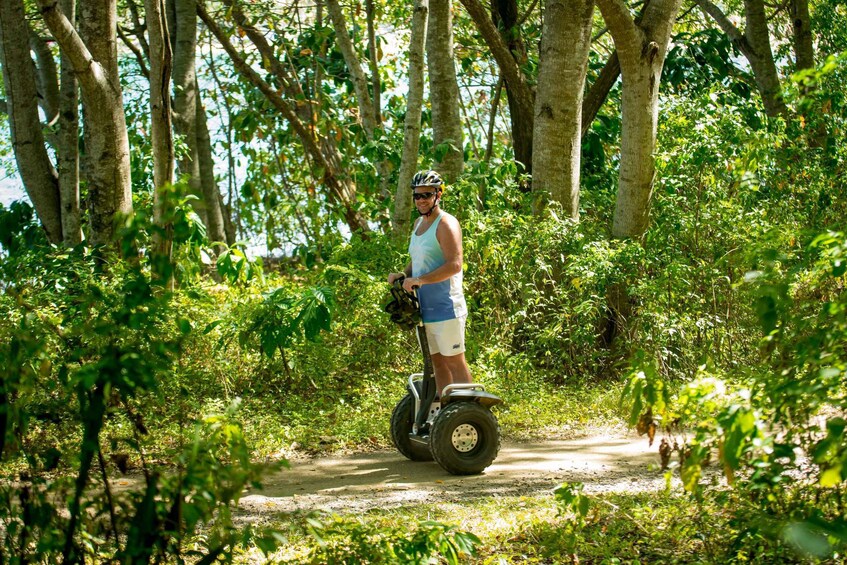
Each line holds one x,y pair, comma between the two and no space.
804,49
444,91
190,118
641,48
520,94
755,44
39,177
412,124
67,143
324,159
161,132
92,52
369,111
563,61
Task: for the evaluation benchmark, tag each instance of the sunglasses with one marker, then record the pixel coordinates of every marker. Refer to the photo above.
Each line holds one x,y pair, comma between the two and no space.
423,195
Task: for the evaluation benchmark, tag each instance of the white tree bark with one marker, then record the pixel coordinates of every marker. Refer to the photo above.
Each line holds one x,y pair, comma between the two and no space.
107,146
444,89
67,143
161,132
412,125
641,49
563,62
39,177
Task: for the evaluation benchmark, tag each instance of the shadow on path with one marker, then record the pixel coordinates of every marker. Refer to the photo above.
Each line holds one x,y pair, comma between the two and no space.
386,479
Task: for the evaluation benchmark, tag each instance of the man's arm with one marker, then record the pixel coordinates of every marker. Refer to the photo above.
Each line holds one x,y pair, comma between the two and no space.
407,272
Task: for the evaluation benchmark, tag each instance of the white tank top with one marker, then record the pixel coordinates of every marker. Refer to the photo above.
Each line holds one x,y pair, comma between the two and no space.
439,301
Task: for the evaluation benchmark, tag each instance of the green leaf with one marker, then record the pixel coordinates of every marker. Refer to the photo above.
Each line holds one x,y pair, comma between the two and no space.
831,477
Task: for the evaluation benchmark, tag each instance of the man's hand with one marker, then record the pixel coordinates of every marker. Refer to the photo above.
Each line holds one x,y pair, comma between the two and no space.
394,276
411,283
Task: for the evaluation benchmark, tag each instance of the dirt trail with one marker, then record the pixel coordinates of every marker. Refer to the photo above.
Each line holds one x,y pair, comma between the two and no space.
386,479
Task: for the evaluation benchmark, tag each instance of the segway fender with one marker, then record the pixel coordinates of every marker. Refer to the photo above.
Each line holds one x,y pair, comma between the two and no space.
470,395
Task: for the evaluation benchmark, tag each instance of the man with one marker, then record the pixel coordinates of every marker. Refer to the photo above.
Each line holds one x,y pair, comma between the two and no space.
436,270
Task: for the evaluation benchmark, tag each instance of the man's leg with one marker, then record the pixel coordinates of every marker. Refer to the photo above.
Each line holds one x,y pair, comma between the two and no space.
450,369
443,376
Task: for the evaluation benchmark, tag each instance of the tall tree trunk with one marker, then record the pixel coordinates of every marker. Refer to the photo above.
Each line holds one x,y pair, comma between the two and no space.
412,124
39,177
373,60
755,45
563,62
183,30
46,76
444,91
323,155
67,144
641,48
520,95
804,49
161,58
93,54
215,225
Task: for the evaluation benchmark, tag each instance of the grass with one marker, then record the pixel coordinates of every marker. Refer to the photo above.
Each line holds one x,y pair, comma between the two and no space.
648,527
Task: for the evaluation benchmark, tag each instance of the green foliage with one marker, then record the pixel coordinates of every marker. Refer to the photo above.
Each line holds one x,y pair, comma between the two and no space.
348,540
83,348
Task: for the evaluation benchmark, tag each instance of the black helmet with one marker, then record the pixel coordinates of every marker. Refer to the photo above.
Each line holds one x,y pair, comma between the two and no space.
427,178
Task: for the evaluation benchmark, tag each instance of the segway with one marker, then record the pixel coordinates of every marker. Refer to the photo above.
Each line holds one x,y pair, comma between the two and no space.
460,432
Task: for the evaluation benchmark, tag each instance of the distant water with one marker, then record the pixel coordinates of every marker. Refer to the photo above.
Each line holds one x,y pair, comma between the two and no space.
10,190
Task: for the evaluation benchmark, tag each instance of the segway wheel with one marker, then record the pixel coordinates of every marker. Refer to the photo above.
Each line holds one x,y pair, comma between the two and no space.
402,419
465,438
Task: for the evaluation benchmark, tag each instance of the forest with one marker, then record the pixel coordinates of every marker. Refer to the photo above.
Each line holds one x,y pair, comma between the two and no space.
208,196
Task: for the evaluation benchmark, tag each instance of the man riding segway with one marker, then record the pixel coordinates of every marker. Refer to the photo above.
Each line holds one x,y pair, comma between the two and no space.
434,276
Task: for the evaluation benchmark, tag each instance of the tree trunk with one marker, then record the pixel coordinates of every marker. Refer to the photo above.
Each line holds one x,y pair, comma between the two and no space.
215,225
412,125
444,91
755,44
804,49
521,97
641,48
161,132
93,54
184,40
563,62
47,77
67,144
764,67
39,177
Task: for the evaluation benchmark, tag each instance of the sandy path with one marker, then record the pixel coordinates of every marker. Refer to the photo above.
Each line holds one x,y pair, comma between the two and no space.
386,479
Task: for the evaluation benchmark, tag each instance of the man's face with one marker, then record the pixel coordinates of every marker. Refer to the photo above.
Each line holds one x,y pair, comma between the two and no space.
425,197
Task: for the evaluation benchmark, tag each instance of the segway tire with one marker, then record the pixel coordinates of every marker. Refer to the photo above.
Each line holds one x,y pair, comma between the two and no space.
465,438
401,426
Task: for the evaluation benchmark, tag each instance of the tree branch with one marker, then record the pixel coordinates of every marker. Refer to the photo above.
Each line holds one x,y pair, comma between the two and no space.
87,69
738,39
306,137
360,83
626,34
512,74
139,56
